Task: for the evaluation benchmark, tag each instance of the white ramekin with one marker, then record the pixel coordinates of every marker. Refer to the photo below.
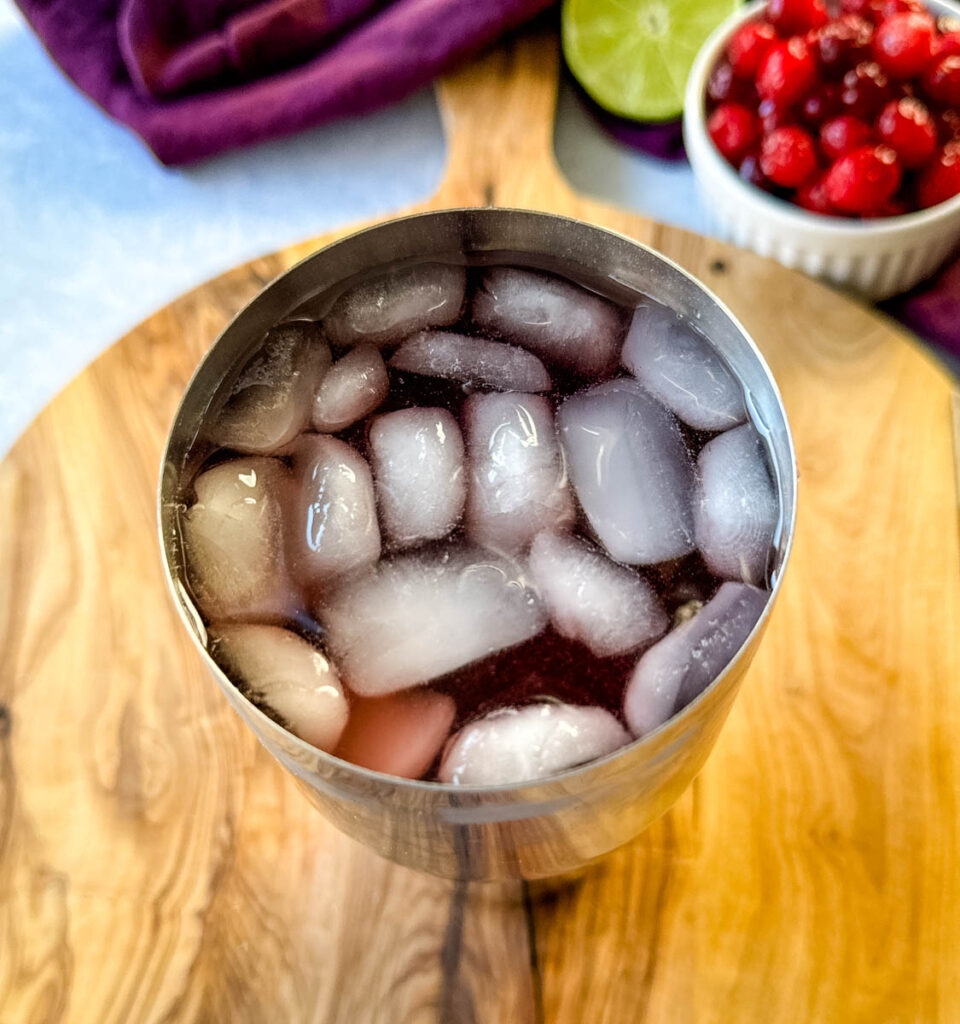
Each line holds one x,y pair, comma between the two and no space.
877,258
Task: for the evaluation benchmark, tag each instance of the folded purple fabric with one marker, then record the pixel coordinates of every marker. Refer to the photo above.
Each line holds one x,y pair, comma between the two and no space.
932,309
662,139
170,48
197,77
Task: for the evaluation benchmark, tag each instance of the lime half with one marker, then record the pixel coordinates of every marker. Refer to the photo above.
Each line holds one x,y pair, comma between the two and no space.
633,56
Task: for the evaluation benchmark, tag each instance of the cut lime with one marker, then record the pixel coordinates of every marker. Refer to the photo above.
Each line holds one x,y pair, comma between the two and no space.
633,56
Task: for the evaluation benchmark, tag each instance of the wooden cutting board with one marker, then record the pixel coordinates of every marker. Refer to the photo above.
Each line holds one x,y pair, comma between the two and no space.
156,865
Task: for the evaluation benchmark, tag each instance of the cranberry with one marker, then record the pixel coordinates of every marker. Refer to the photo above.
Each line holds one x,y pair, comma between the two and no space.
787,156
947,45
948,124
888,8
880,10
865,90
734,129
907,127
813,197
787,73
772,116
751,173
863,179
903,44
891,208
862,7
749,46
875,10
841,134
791,17
721,85
940,180
942,81
821,104
841,43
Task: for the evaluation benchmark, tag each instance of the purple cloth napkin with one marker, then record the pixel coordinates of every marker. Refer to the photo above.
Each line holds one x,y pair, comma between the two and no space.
932,310
662,139
197,77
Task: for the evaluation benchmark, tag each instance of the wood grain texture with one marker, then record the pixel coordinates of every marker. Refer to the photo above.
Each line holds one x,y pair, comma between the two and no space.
156,865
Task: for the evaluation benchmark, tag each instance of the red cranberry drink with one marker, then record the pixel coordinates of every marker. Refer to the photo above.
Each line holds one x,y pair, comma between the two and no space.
479,525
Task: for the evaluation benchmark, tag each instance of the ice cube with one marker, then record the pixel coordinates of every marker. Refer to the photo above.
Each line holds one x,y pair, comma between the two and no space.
292,681
417,457
474,361
385,309
681,665
631,470
532,742
269,403
423,614
517,479
400,734
606,606
333,525
233,541
353,387
681,369
736,510
556,319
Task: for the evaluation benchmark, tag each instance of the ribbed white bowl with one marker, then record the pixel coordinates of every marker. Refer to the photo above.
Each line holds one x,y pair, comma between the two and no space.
877,258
